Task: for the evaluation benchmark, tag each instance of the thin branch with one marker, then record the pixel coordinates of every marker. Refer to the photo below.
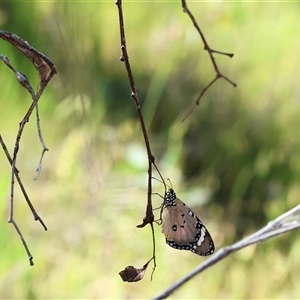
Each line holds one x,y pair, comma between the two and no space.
200,96
46,70
284,223
149,216
30,257
39,168
45,148
14,159
34,212
210,52
154,250
7,153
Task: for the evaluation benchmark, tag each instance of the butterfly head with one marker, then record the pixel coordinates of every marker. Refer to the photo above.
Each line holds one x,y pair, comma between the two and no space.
170,198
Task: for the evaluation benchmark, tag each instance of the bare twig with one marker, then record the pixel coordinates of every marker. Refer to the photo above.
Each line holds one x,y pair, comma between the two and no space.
45,148
35,214
149,216
30,257
154,250
200,96
284,223
210,53
46,70
39,168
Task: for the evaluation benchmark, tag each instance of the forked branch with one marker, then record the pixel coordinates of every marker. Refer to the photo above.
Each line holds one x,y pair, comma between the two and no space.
46,70
210,52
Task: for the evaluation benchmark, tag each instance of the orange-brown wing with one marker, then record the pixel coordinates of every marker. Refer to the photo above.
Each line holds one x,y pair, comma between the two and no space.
184,231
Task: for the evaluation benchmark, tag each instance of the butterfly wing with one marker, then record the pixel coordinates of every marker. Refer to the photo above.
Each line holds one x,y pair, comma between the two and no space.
183,229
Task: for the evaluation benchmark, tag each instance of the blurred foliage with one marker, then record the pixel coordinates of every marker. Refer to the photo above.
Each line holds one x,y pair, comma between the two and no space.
236,155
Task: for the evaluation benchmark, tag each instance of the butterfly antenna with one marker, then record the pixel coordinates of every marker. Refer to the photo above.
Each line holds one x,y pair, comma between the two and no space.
170,182
161,177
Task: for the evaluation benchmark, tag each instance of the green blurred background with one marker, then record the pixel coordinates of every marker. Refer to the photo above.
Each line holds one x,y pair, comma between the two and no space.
235,160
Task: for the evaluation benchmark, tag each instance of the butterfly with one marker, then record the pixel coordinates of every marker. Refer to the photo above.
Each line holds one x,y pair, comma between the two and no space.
183,229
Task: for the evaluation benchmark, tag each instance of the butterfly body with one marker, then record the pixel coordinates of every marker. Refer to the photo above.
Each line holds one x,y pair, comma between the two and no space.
183,229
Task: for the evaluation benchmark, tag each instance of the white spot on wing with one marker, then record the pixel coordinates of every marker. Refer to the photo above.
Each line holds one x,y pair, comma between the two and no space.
202,236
